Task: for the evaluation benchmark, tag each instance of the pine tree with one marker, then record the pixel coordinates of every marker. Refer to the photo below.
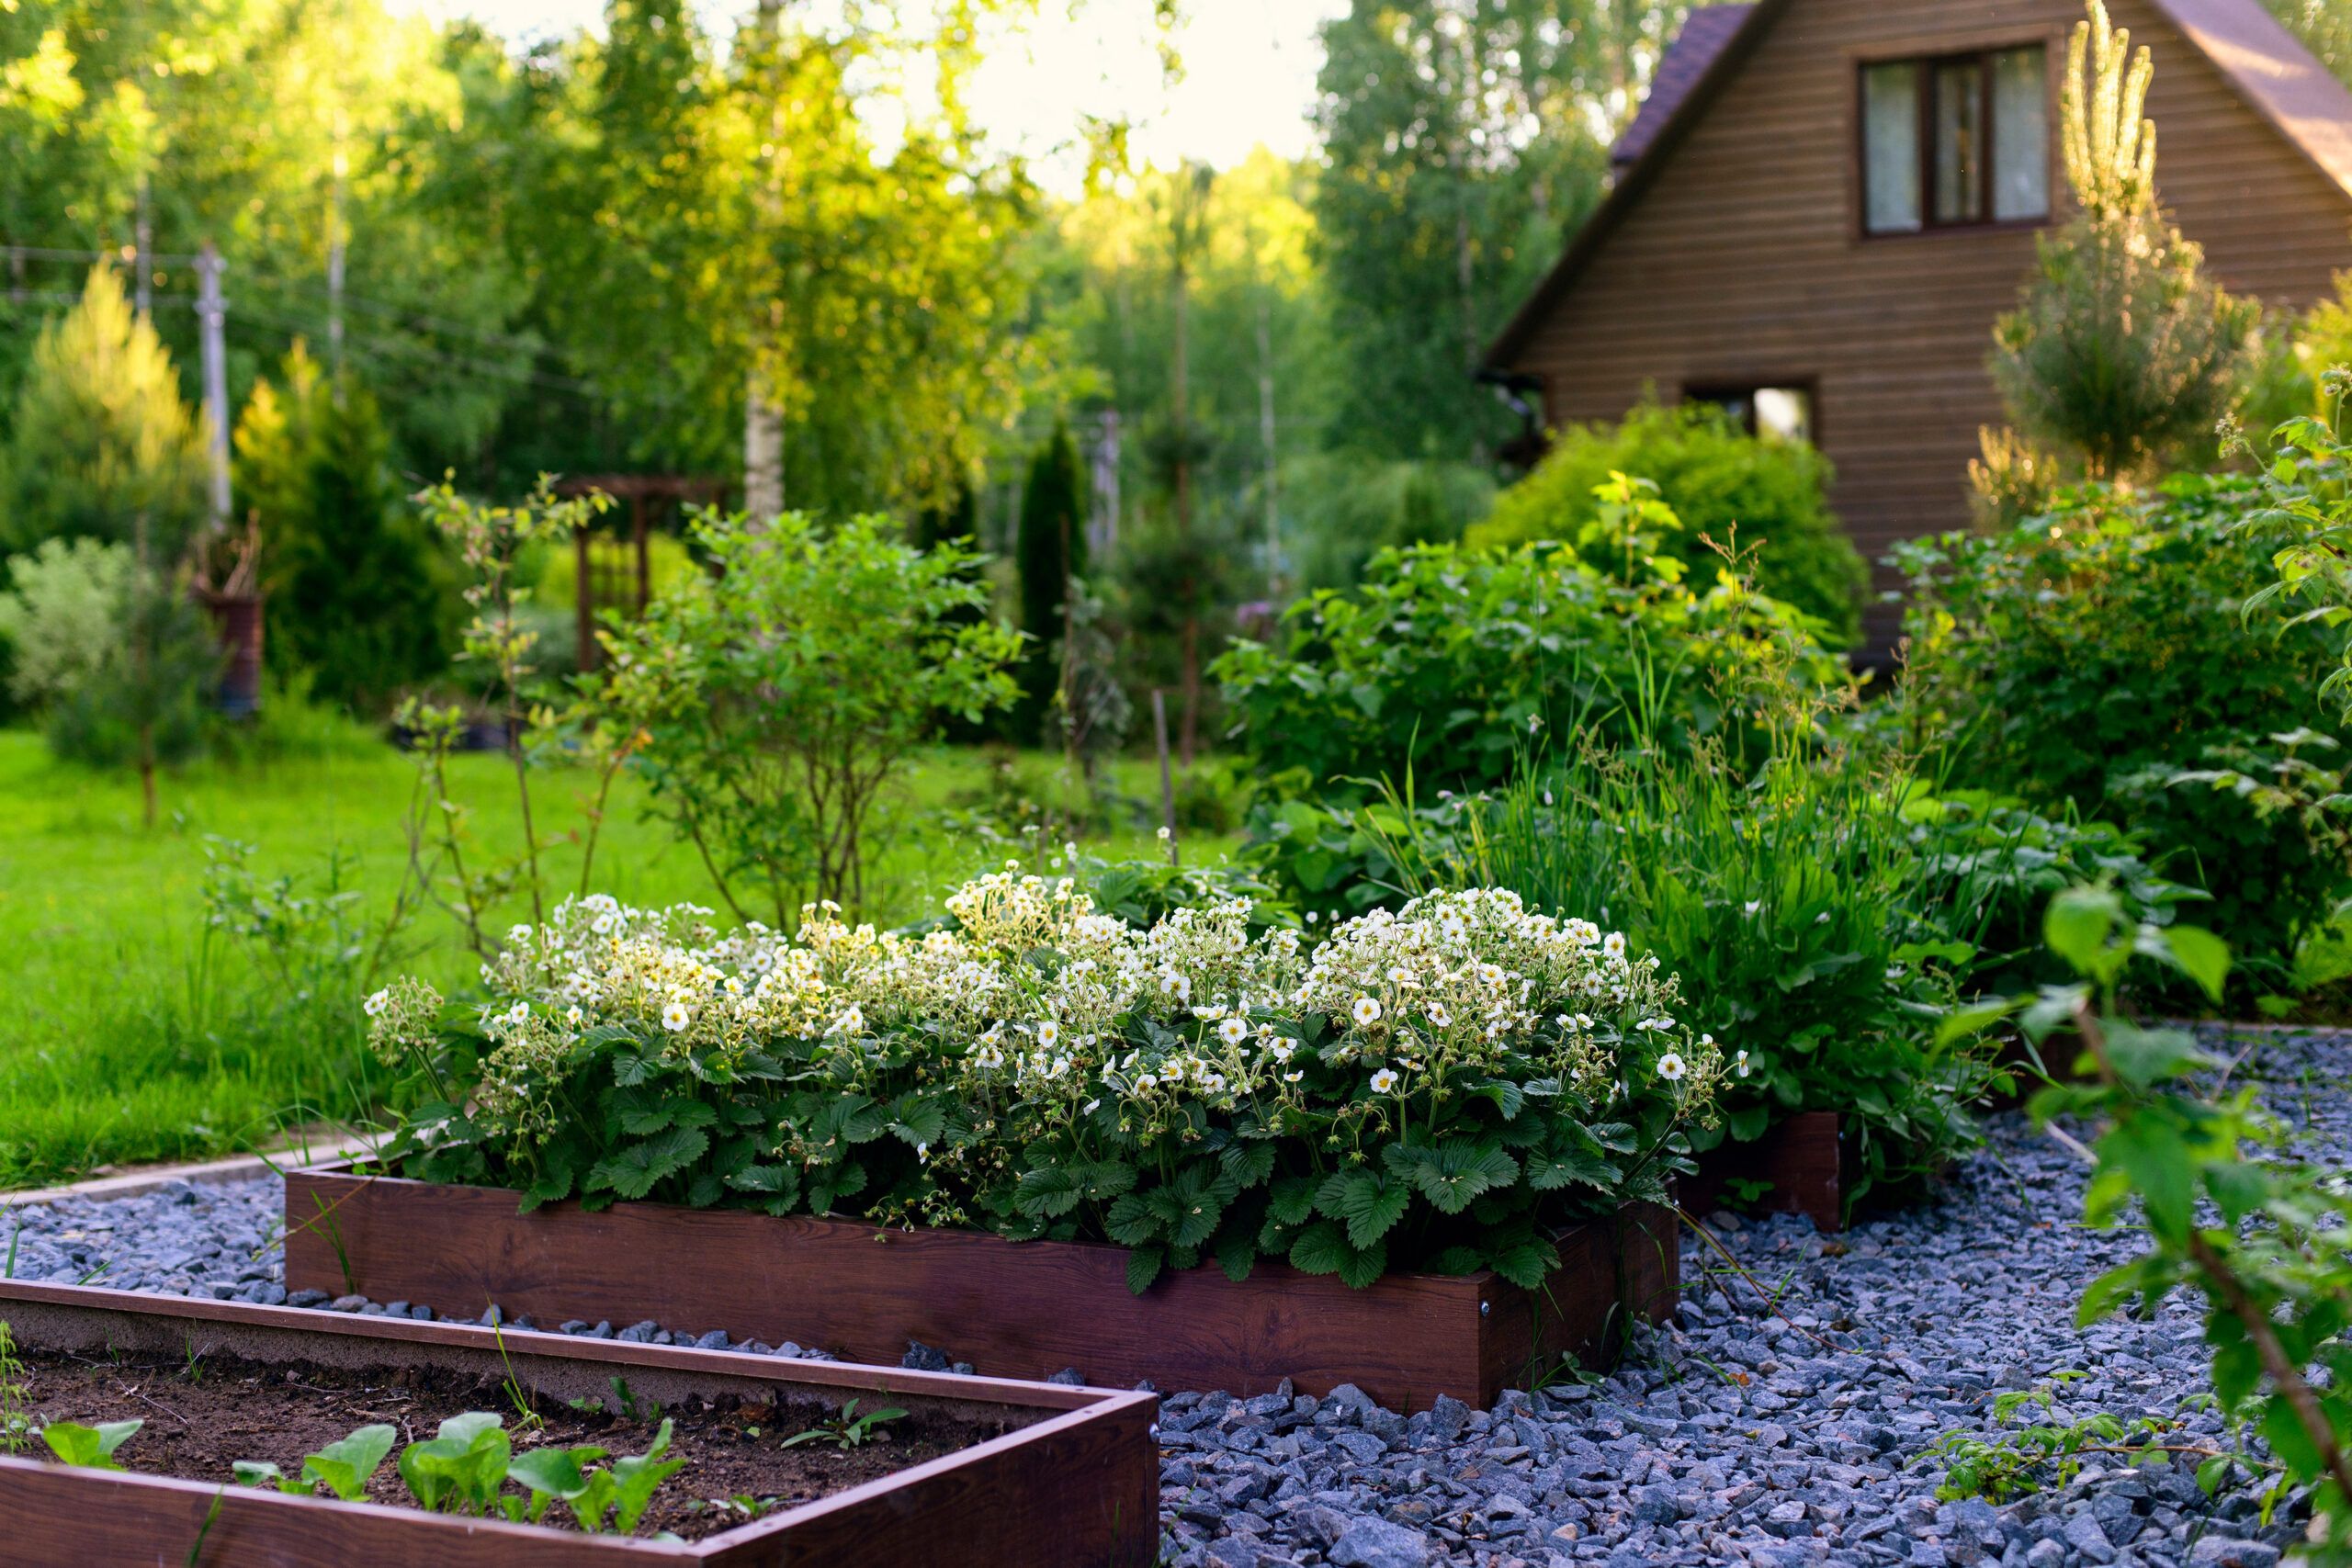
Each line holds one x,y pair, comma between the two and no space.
101,446
2120,349
358,596
1051,550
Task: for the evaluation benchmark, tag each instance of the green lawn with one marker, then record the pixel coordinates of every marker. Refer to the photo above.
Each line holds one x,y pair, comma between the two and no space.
135,1034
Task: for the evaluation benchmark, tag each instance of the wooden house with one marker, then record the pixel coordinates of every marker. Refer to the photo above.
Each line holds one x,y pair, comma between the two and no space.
1823,203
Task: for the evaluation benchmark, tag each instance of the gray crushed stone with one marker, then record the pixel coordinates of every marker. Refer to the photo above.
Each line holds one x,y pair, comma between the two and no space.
1747,1431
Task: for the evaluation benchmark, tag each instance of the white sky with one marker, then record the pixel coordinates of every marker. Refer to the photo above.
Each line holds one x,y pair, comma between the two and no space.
1250,73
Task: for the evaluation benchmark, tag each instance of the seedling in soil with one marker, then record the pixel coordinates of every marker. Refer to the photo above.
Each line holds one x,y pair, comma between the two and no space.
92,1448
343,1468
16,1425
847,1430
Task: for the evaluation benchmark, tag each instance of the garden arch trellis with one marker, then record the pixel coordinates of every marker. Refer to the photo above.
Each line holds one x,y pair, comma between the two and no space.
615,570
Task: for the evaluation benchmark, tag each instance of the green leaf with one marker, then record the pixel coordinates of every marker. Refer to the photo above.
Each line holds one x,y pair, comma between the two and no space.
261,1473
1237,1252
1452,1175
1370,1205
778,1182
1247,1164
344,1467
634,1171
1322,1249
1292,1199
2077,926
1526,1263
2202,956
1102,1180
638,1476
1046,1192
1131,1222
1144,1265
1548,1172
92,1448
554,1471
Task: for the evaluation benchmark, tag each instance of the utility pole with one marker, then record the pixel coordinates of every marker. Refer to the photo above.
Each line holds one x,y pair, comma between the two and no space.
211,314
1266,434
334,259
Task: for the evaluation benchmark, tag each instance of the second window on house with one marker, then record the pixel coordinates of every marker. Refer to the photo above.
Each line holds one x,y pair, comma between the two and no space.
1955,139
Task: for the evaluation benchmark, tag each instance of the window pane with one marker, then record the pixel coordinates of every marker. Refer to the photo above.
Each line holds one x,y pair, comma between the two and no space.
1891,147
1784,411
2021,135
1960,142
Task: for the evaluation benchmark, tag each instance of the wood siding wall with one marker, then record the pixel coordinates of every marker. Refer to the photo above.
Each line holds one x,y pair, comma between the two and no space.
1745,262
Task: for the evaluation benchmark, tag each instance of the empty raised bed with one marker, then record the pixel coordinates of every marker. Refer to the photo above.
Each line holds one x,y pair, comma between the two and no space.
968,1470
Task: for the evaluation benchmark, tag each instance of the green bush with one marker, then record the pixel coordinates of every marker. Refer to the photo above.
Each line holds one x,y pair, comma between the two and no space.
1345,507
779,698
2095,659
1715,475
1433,1091
1448,658
360,596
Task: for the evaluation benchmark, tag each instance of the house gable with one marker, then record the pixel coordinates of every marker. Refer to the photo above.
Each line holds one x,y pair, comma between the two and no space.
1730,251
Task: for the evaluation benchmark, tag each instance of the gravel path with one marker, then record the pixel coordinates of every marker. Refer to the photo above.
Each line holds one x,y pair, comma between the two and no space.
1742,1433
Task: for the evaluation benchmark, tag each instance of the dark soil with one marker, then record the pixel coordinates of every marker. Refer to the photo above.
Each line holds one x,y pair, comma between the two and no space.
200,1421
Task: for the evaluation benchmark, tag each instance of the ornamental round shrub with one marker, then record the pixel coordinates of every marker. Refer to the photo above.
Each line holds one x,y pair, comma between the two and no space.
1716,477
1433,1087
2097,659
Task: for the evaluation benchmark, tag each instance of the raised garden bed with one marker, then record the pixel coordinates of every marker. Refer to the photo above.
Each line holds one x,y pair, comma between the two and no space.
1797,1157
1025,1309
975,1470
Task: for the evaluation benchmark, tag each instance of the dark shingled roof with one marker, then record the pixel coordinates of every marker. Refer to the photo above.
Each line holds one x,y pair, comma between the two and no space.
1704,33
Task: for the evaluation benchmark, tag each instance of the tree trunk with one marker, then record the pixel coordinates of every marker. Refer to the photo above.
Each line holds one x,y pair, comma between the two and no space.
147,772
763,454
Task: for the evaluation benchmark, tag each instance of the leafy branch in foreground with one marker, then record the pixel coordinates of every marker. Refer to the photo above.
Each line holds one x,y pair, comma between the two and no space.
2227,1211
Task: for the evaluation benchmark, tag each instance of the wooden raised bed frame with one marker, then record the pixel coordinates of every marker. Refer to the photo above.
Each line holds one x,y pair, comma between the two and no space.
1081,1486
1025,1309
1799,1156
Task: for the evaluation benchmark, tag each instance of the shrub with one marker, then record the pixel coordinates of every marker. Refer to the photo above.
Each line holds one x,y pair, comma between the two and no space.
1715,477
119,659
2120,349
1448,658
1348,507
2094,660
781,697
359,594
1427,1089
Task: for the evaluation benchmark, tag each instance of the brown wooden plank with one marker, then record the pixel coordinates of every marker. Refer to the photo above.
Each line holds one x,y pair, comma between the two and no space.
1024,1310
1082,1491
1798,1155
99,1519
1634,1267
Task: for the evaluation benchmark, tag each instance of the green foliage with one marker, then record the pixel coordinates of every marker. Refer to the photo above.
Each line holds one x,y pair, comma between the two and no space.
1350,507
358,592
90,1448
2120,350
2093,662
1448,658
1759,493
465,1467
100,447
119,659
779,697
2026,1456
1031,1071
16,1424
848,1429
2227,1211
343,1467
